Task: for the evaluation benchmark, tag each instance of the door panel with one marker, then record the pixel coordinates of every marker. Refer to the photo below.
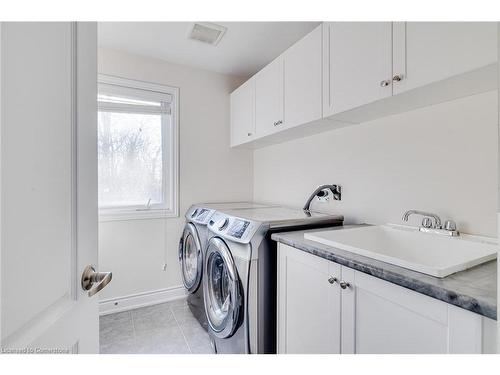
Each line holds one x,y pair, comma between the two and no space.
49,183
308,304
302,80
426,52
269,98
357,64
243,113
380,317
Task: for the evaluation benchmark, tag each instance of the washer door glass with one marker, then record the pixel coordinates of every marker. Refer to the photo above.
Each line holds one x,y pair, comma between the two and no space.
221,289
191,258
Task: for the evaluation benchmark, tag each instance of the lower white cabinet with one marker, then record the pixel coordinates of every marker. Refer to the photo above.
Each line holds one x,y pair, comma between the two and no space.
369,315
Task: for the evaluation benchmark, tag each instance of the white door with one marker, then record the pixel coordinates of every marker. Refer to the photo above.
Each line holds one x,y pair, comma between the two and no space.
426,52
49,186
269,98
357,64
243,113
302,80
308,303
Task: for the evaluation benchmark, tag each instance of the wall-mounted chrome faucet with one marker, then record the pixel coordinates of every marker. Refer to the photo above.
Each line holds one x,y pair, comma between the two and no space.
431,223
321,191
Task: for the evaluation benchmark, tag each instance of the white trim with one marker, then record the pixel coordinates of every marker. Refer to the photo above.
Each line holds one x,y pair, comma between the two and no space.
1,194
171,162
134,301
123,215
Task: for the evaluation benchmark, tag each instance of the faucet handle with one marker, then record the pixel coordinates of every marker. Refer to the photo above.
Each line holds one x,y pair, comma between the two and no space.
427,222
450,225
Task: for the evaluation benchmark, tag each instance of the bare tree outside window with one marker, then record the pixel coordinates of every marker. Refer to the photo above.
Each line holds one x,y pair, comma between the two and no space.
130,159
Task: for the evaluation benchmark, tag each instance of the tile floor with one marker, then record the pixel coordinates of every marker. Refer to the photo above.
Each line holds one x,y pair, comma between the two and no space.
167,328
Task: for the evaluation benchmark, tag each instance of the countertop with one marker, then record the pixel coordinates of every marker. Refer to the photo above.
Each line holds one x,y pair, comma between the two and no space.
474,289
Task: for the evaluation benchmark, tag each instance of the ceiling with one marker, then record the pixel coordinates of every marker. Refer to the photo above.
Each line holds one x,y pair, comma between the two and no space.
245,48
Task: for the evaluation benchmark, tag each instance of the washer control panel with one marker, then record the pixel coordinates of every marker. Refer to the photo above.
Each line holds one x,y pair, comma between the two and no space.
233,228
201,215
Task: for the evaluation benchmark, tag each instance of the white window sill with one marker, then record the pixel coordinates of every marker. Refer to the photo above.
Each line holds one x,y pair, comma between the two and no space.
123,215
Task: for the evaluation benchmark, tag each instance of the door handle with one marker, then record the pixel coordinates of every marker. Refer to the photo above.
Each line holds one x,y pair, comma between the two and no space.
90,277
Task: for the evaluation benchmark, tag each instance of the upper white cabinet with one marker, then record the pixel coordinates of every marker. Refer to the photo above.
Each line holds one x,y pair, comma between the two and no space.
350,72
269,98
327,308
243,113
426,52
302,80
357,64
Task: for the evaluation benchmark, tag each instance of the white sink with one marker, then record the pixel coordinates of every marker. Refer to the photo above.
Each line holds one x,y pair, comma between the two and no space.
432,254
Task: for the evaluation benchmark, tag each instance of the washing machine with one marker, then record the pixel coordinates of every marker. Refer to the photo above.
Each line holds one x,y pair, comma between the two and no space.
239,283
192,246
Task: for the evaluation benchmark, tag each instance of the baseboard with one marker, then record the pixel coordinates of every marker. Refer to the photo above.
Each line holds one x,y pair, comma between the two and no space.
134,301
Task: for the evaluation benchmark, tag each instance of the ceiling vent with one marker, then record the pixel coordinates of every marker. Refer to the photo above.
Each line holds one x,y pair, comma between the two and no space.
207,32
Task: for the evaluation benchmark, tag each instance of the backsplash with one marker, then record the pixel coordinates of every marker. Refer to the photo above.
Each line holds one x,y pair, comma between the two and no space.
424,159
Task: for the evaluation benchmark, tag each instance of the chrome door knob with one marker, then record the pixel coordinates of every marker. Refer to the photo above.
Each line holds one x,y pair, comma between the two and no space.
332,280
90,277
344,285
397,78
385,83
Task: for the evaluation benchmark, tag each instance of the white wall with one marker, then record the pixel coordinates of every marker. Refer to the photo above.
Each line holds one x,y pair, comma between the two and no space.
136,250
440,158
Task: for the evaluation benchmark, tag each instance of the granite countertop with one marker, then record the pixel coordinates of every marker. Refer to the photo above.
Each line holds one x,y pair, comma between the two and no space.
474,289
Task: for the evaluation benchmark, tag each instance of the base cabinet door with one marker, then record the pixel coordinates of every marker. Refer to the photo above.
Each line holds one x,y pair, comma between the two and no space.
427,52
380,317
308,303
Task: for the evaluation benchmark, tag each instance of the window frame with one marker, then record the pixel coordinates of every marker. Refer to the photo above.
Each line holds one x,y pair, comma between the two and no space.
170,159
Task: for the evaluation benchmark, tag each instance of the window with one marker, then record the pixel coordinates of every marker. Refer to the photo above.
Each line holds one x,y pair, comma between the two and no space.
137,149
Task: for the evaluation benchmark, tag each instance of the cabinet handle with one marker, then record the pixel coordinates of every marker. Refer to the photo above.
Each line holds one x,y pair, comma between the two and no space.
278,123
344,285
332,280
249,134
385,83
397,78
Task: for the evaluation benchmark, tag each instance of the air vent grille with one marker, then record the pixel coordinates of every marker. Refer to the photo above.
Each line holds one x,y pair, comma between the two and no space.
207,32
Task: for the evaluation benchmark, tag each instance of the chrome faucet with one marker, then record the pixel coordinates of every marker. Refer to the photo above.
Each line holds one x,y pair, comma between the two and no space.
322,191
431,223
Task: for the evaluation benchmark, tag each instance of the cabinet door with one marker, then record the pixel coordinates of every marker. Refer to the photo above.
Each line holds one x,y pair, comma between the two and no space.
243,113
426,52
308,304
269,98
381,317
302,80
357,64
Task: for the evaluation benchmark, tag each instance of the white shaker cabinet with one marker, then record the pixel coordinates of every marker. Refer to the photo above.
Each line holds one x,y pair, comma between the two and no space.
243,113
269,98
357,64
309,305
359,313
427,52
302,80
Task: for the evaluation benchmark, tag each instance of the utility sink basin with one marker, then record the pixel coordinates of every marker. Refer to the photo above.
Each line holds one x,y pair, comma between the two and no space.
432,254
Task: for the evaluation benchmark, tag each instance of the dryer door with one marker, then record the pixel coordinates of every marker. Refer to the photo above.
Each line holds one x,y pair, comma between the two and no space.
191,258
221,289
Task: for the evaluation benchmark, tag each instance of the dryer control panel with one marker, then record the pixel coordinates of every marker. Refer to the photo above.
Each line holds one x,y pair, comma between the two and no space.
200,215
233,228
